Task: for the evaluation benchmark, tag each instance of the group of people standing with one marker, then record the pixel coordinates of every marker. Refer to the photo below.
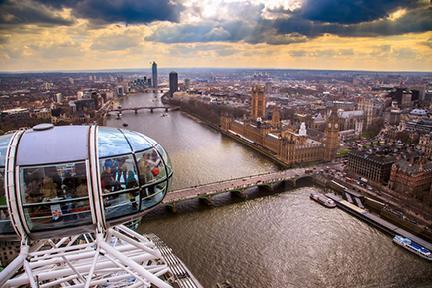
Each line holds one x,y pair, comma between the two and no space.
53,183
121,173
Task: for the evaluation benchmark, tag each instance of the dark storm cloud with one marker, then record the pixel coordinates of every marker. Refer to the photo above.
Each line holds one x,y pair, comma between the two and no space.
14,13
414,21
351,11
228,31
349,18
127,11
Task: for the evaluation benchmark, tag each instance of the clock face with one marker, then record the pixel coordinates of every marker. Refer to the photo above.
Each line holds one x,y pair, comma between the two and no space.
329,125
336,125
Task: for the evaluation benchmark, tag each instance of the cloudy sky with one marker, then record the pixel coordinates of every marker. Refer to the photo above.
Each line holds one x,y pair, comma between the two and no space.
313,34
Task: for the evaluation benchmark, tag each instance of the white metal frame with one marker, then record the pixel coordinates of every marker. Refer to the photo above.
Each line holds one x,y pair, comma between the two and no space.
119,257
10,185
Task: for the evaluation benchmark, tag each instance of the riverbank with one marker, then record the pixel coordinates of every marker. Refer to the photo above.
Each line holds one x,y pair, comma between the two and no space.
268,154
377,221
380,207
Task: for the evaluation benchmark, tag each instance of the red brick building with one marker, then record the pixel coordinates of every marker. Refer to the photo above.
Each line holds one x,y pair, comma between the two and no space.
412,179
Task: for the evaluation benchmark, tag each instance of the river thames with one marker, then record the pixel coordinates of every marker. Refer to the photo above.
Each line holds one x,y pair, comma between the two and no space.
280,240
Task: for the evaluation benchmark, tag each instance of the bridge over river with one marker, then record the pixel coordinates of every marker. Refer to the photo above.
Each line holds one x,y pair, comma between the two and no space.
238,185
151,108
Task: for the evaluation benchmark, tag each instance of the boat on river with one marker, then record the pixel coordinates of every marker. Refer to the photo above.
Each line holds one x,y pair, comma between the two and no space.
413,247
323,200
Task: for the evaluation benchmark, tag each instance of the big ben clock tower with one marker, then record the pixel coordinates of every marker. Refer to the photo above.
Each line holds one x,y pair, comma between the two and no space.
332,136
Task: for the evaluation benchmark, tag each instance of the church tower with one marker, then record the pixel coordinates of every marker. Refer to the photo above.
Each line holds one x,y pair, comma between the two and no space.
225,122
332,136
258,101
276,118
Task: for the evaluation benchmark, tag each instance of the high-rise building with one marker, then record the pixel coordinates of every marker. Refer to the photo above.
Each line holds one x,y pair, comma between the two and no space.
120,91
173,83
268,87
258,102
187,84
59,97
332,136
154,75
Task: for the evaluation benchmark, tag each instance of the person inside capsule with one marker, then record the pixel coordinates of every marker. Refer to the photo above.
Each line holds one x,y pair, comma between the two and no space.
49,191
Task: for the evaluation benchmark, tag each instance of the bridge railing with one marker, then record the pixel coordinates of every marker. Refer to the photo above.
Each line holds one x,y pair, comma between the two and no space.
142,108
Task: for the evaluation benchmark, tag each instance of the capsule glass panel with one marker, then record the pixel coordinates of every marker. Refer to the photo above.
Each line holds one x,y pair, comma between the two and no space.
55,196
137,141
112,142
165,157
119,182
151,167
5,223
4,141
153,194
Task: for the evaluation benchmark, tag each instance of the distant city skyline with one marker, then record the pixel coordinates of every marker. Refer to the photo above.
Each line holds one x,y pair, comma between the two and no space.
43,35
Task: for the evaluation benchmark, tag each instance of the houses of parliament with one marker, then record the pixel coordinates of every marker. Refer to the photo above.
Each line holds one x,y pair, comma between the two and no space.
282,141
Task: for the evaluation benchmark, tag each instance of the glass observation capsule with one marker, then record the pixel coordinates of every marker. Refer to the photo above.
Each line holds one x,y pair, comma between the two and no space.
65,180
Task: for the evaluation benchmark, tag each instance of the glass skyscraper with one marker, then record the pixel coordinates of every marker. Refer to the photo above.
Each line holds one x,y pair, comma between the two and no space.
154,75
173,83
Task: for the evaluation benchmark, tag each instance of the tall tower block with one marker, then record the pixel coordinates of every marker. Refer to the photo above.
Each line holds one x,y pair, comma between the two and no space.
258,101
332,136
154,75
173,83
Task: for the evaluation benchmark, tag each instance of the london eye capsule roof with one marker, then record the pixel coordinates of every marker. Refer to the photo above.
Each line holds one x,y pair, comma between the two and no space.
72,179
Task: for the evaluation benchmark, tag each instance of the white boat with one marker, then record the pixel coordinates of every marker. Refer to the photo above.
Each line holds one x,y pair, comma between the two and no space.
414,247
323,200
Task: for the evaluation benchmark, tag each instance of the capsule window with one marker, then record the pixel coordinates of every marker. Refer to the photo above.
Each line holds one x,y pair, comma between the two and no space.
151,167
5,223
55,196
165,157
119,183
4,141
153,194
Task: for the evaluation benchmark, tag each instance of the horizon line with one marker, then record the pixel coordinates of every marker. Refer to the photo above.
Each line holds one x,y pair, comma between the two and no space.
214,68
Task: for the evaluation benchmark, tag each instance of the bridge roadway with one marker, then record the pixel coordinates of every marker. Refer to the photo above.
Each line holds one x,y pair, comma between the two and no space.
238,184
151,108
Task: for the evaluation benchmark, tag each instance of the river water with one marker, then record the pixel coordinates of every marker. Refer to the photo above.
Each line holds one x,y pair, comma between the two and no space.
280,240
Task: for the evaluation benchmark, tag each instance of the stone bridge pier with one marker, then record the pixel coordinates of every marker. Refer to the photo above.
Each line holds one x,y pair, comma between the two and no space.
266,188
206,200
239,193
172,207
303,181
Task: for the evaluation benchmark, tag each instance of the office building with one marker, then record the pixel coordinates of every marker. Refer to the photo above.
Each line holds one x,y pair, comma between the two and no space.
173,83
187,84
154,75
371,165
